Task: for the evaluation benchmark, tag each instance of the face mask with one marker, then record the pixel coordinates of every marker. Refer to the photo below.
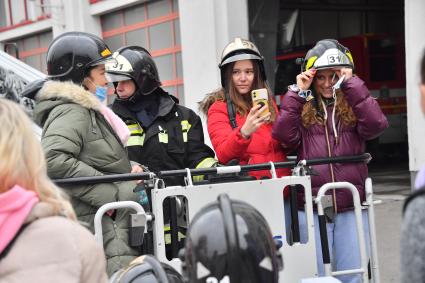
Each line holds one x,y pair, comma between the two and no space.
101,92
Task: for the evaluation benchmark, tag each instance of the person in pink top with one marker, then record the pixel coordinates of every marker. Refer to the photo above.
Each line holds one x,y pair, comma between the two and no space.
41,241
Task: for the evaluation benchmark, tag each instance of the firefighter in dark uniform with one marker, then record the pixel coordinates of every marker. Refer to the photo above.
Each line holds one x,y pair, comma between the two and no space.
164,134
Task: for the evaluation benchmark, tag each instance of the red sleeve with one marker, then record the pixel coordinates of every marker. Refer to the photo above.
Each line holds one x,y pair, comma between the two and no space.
228,143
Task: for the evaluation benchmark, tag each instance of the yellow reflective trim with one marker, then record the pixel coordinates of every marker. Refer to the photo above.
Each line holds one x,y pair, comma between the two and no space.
185,129
310,62
163,137
167,234
167,238
105,52
133,126
136,140
135,129
350,56
205,163
198,178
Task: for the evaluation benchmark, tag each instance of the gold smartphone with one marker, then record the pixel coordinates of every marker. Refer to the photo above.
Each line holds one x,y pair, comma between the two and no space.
260,96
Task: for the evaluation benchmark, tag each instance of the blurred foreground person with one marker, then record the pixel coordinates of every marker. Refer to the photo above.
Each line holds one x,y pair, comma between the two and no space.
412,244
40,241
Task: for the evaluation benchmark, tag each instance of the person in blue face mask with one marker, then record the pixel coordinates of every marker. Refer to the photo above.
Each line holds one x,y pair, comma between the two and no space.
101,92
83,138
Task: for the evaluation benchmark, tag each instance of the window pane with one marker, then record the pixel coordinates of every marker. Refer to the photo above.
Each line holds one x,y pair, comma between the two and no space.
111,21
47,7
158,9
177,31
175,5
382,69
134,15
137,37
114,42
45,39
43,67
160,36
31,43
287,70
33,61
179,65
18,11
3,22
165,67
382,53
181,94
20,45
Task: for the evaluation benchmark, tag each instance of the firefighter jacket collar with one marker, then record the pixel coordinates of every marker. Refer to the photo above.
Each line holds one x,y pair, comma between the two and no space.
166,105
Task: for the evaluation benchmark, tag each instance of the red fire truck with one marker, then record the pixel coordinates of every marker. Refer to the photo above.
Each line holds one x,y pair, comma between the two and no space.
379,61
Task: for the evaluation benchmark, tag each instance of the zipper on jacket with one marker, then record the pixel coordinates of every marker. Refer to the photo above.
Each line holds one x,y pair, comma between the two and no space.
330,165
93,122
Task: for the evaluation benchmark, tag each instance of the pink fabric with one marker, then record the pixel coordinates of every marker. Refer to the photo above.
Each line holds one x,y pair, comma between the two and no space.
15,205
120,129
116,123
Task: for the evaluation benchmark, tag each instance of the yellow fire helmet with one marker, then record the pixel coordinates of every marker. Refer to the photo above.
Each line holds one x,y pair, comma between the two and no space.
327,53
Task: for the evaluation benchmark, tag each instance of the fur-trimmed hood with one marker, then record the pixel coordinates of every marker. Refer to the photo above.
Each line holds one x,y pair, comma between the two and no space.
68,91
54,93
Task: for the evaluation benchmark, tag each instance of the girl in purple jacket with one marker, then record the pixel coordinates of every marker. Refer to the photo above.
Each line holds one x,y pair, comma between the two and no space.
329,112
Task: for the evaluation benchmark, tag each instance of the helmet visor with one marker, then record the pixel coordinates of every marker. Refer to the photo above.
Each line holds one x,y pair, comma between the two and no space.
240,57
112,77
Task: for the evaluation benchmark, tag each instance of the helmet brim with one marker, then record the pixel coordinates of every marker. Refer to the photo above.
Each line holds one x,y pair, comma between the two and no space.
113,77
240,57
104,61
339,66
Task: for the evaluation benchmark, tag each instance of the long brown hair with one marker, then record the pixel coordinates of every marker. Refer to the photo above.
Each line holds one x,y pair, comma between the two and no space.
344,111
242,103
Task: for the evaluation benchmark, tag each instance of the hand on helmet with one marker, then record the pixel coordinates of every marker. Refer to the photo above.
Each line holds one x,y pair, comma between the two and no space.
254,120
305,79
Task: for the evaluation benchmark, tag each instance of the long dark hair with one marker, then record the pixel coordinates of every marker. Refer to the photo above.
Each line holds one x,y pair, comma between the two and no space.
310,115
242,103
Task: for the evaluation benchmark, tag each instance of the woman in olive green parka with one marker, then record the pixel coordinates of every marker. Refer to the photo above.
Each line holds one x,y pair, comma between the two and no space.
78,141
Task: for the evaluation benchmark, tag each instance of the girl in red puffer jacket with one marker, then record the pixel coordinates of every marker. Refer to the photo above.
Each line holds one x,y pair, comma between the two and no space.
238,129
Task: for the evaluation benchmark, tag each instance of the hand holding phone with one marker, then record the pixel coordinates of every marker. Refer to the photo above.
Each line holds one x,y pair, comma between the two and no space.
260,97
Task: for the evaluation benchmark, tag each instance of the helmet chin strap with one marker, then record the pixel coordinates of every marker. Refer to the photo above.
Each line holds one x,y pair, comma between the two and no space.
335,87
